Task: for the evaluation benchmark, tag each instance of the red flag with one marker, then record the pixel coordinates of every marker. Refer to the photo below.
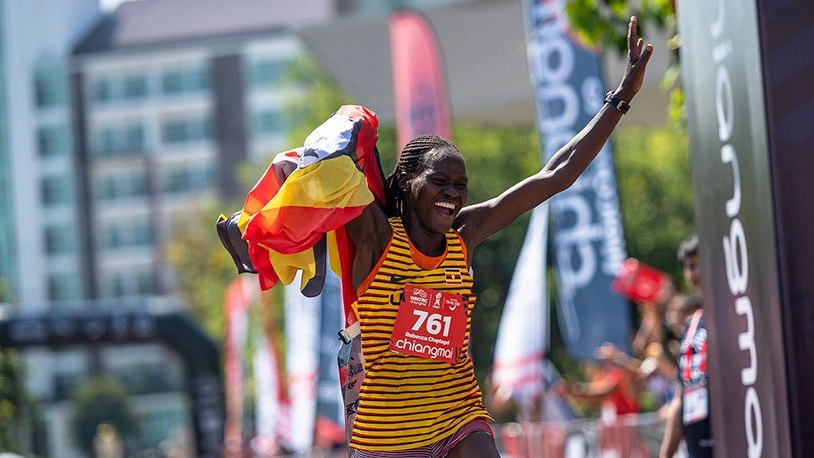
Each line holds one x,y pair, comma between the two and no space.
418,79
237,302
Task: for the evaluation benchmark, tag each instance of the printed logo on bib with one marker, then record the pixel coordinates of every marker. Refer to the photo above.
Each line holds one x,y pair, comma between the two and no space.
430,324
696,404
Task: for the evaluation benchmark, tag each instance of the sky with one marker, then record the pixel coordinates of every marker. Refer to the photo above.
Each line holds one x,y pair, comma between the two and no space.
110,5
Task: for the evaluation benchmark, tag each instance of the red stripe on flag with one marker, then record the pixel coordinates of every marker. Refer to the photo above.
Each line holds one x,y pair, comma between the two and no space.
274,228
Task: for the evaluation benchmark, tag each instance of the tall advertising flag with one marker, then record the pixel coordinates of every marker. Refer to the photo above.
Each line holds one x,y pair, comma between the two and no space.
330,422
586,230
418,79
522,336
302,360
271,411
239,296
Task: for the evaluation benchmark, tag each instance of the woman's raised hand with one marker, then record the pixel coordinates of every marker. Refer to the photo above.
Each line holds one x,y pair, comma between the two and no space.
638,54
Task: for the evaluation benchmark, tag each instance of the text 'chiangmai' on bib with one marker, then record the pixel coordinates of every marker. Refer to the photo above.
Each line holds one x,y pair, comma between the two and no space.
430,324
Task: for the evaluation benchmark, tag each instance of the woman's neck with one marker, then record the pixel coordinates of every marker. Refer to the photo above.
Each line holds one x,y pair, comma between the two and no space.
428,243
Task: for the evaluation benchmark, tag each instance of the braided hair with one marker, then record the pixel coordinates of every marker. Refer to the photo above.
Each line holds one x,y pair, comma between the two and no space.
412,156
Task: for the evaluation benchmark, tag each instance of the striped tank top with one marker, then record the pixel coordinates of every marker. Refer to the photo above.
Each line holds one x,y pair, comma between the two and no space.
408,401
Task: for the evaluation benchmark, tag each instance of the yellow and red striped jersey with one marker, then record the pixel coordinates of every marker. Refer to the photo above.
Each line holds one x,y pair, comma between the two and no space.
408,401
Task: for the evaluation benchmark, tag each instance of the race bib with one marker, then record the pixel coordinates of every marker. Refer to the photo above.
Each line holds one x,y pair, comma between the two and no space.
696,404
430,324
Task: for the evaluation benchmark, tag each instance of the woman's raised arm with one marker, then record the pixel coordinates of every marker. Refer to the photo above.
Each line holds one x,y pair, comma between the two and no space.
479,221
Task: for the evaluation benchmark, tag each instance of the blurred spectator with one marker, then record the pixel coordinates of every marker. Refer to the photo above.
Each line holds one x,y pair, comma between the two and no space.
537,401
107,443
611,387
688,417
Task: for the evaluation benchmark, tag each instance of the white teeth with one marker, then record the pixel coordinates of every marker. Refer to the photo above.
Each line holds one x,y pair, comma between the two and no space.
446,205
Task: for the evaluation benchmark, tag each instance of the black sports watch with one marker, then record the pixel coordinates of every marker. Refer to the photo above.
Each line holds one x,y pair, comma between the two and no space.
616,102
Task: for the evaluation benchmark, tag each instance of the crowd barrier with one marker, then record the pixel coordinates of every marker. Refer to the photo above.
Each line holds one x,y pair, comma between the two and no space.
630,436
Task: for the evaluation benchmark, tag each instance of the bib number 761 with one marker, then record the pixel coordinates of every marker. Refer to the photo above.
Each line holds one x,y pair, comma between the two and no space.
433,322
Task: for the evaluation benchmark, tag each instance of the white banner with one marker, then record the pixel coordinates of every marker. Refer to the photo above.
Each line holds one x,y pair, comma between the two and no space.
302,317
522,337
271,422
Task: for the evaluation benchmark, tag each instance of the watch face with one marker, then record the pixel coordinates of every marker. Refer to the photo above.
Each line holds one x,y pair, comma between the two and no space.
623,106
618,103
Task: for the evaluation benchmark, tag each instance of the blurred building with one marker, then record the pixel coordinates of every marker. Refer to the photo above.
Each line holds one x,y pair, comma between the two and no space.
39,235
111,127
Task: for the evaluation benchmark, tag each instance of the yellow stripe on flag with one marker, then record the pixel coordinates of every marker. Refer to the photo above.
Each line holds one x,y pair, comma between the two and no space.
331,183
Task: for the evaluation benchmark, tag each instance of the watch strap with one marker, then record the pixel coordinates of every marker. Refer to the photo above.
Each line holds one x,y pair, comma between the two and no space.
616,102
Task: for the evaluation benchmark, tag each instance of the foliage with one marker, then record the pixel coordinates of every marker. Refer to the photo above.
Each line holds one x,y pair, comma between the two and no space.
603,24
12,396
655,191
96,401
203,268
321,97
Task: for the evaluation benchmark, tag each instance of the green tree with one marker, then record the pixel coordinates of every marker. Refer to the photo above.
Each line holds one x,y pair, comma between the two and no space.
12,397
203,268
603,24
96,401
655,191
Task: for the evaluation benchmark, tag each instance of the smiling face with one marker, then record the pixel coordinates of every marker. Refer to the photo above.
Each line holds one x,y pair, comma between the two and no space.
438,191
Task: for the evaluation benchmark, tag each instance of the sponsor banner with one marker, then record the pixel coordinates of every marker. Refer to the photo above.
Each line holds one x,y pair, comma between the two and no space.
587,235
330,426
418,79
522,337
786,29
239,295
302,315
735,216
271,413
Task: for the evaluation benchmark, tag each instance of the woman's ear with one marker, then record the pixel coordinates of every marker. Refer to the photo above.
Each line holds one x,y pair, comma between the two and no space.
404,183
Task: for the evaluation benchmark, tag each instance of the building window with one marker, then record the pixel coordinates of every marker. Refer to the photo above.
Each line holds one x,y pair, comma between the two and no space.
127,234
103,90
49,87
269,122
135,86
187,180
118,285
187,130
63,286
121,284
134,138
268,72
118,186
120,140
144,283
52,141
59,239
184,81
56,190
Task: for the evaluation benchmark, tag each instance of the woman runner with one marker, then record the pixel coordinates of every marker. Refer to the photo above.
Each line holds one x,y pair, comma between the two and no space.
419,396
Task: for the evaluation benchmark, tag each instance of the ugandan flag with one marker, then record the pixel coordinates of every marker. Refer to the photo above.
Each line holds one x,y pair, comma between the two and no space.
294,217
